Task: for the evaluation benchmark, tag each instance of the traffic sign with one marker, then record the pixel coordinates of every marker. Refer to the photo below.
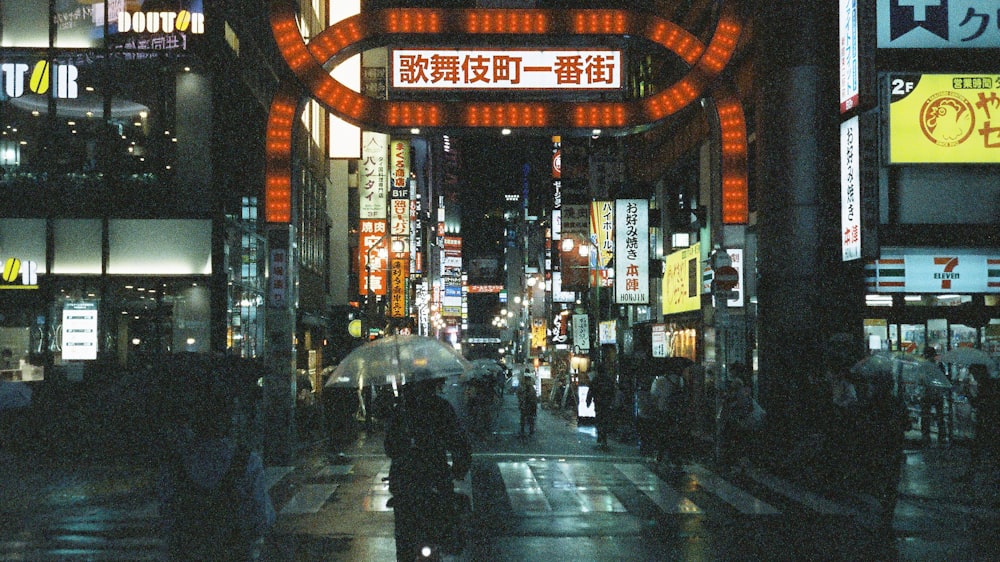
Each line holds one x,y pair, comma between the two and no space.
726,277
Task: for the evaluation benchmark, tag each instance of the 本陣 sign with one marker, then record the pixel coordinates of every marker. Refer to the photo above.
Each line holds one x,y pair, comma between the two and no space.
632,251
944,118
507,70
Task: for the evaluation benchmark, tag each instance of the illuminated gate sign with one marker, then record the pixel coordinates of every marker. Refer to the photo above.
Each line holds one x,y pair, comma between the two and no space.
506,70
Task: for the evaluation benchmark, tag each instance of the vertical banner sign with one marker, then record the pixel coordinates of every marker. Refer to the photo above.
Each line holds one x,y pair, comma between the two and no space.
278,277
581,332
374,171
372,253
79,331
849,89
602,234
400,276
659,337
451,276
850,191
556,230
632,251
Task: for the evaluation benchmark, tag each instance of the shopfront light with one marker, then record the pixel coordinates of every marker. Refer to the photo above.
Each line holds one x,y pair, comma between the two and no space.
680,239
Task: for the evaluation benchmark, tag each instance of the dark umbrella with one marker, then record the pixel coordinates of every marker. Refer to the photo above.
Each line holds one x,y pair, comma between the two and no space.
675,364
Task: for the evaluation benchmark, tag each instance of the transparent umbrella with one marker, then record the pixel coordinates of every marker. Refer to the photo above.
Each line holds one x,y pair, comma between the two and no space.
968,356
398,360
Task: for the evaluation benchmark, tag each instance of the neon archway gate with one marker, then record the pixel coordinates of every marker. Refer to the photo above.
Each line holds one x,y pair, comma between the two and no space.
394,26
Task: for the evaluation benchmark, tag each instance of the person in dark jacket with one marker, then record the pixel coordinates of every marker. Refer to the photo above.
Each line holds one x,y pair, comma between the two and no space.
884,433
422,430
602,395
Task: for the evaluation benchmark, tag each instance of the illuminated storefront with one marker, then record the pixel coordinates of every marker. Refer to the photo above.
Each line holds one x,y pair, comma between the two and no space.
128,230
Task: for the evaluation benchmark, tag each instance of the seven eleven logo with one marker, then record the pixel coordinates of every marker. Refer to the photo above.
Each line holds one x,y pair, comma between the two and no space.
948,273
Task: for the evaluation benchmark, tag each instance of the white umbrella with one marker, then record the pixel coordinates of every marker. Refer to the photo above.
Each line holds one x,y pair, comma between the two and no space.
398,360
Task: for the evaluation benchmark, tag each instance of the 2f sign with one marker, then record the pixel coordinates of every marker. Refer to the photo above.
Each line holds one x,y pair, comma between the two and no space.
902,87
38,79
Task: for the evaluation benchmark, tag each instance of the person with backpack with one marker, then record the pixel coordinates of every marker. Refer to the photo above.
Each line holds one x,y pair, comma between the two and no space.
422,430
214,503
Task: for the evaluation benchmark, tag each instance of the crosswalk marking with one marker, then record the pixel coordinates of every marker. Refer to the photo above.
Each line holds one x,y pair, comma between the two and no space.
665,497
309,499
592,493
740,499
525,494
274,474
808,499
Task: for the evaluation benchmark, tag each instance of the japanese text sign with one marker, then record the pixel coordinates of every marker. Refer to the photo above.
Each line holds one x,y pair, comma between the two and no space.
632,251
507,69
944,118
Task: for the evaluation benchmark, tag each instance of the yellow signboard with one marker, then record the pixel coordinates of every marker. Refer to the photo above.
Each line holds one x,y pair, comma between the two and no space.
944,118
682,280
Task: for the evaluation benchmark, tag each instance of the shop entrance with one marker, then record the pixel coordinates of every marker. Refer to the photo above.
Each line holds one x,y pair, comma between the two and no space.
909,325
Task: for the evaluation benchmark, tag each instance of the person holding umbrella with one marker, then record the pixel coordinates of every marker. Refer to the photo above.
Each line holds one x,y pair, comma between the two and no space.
422,430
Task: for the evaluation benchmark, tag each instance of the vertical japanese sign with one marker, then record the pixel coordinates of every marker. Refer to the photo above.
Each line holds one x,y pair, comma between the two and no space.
451,276
659,337
602,234
374,175
849,89
850,191
79,331
632,251
581,332
552,264
400,274
278,277
399,225
372,256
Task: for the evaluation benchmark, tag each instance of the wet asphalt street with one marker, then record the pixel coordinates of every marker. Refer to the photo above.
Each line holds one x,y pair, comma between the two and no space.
552,496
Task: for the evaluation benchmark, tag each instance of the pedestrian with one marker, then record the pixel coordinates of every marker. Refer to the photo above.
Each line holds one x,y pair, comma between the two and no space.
423,429
737,420
668,393
214,503
527,404
986,403
884,425
932,403
602,395
645,416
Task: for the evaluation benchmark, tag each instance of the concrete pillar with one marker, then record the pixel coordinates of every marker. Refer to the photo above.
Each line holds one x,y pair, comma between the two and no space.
279,379
806,295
